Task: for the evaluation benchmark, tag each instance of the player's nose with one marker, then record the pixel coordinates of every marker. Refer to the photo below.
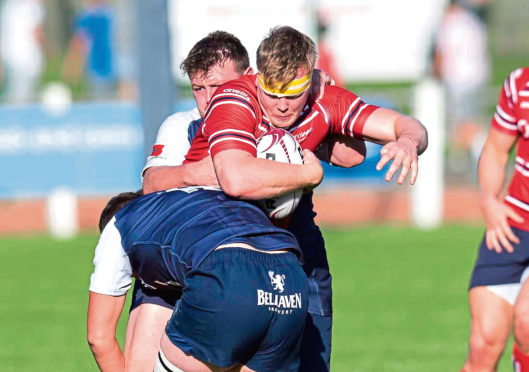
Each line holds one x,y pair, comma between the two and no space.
282,104
209,94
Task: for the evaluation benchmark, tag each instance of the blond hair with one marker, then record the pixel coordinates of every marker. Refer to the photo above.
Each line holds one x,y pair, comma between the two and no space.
282,52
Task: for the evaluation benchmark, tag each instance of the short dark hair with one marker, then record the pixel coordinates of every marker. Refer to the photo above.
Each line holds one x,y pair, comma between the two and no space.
114,205
215,48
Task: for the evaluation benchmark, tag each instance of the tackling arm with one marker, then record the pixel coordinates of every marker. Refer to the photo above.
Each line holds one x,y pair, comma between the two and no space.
103,315
491,174
200,173
243,176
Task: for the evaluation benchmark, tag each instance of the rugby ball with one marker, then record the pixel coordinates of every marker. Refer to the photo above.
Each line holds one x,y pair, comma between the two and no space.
279,145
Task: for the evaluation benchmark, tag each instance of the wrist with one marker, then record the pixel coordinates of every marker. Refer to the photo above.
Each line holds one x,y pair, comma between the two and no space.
315,176
409,139
488,199
187,178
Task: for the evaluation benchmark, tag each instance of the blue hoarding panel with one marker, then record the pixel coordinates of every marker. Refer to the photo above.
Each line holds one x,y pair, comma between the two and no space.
92,149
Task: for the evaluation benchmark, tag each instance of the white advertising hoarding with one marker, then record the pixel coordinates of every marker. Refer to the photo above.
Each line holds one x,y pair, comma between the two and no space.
385,40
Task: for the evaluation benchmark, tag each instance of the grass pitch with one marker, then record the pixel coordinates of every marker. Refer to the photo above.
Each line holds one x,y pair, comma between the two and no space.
400,300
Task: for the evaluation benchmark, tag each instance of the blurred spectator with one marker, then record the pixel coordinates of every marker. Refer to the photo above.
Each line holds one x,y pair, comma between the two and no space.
326,58
462,62
126,53
91,50
21,48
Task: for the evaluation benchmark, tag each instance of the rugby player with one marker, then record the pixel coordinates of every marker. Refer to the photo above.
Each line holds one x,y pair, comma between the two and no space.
499,294
226,256
214,60
243,109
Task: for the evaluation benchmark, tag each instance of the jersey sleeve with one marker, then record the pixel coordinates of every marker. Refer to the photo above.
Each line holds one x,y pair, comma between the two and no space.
504,118
345,112
112,271
230,121
172,141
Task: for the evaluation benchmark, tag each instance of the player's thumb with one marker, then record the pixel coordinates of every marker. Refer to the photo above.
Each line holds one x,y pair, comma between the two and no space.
514,216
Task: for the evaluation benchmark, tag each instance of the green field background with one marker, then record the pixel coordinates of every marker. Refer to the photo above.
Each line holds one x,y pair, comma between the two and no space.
400,300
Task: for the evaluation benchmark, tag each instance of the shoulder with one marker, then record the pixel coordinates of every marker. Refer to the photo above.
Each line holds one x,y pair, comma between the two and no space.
179,121
182,118
334,97
244,88
334,93
517,81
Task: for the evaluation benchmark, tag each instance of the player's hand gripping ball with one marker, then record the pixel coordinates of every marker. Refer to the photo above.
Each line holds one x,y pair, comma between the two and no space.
280,145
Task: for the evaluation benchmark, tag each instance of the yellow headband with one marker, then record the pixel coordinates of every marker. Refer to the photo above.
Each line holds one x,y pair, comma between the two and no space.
294,88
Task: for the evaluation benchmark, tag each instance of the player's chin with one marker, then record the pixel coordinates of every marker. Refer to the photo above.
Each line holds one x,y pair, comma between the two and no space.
283,122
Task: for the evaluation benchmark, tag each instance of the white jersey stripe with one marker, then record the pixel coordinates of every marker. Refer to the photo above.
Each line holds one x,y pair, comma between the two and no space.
231,139
232,95
307,120
507,89
231,131
348,112
524,172
325,113
513,89
353,121
504,123
225,103
517,202
504,115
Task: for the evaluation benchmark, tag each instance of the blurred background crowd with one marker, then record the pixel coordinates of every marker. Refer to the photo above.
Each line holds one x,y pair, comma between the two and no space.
82,58
90,46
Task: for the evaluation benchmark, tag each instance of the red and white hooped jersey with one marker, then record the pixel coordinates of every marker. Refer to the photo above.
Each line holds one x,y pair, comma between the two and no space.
234,119
512,117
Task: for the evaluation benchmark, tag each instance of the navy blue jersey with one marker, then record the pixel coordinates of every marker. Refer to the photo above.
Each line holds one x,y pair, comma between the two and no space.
165,234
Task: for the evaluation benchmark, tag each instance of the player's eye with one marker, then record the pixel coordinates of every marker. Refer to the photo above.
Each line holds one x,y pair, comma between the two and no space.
196,89
293,97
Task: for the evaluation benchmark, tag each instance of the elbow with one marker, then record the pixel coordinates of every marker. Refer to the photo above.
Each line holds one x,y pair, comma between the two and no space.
354,159
99,342
95,341
235,186
348,152
149,182
423,144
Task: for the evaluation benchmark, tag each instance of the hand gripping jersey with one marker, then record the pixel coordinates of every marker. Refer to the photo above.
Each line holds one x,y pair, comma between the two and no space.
159,237
512,117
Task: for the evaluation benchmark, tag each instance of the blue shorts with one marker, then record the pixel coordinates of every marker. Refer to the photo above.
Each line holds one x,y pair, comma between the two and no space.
145,295
243,307
494,268
316,265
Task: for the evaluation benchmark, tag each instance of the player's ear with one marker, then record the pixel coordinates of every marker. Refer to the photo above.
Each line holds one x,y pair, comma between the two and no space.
248,71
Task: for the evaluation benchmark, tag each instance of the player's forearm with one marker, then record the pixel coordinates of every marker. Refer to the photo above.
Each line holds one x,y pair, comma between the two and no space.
102,319
169,177
384,126
107,354
491,172
251,178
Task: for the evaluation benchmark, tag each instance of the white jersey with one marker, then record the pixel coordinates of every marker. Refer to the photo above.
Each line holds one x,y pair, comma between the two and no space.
173,139
112,271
